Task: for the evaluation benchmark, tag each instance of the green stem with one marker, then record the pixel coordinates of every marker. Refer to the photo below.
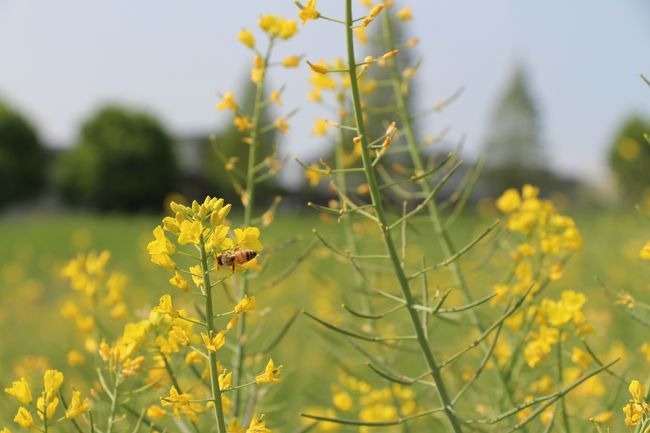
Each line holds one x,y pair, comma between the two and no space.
444,239
214,374
560,379
388,239
111,414
44,412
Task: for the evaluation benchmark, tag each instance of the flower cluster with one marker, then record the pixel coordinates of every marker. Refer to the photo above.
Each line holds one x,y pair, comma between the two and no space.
47,403
636,410
100,290
203,226
551,318
355,398
548,238
200,232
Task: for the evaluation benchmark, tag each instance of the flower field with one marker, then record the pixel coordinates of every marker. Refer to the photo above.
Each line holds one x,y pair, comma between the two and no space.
402,295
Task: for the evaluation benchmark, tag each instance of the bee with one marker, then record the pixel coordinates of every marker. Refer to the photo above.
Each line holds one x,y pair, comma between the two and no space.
235,257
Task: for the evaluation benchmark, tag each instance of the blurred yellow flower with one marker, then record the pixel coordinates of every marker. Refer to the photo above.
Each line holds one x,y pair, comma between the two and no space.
23,418
77,406
227,103
645,251
291,61
178,281
509,201
242,123
156,412
246,304
308,12
405,14
165,306
246,37
20,391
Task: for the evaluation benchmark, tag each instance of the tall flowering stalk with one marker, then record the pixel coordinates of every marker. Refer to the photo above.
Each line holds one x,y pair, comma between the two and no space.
276,29
201,233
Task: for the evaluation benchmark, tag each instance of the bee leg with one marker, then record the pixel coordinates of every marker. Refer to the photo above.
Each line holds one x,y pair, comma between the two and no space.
233,266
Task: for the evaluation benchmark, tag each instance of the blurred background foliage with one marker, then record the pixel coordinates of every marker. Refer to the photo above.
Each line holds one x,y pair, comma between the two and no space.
22,157
123,159
629,159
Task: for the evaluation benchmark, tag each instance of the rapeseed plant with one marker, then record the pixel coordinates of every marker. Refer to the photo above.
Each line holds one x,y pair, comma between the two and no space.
555,237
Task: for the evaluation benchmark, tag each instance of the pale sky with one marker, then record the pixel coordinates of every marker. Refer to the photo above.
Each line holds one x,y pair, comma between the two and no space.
60,59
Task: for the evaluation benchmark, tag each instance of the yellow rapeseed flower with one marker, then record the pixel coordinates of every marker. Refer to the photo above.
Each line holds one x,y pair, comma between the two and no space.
181,403
77,406
24,418
405,14
258,425
636,391
509,201
276,97
291,61
270,374
645,251
320,127
246,37
232,323
75,358
248,239
281,124
361,34
165,306
234,427
215,343
580,358
190,232
156,412
52,381
227,102
342,401
246,304
314,176
20,391
178,281
308,12
376,10
242,123
318,68
633,413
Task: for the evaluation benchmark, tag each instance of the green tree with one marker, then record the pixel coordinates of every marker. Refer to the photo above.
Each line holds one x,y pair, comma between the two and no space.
123,159
514,149
22,158
629,159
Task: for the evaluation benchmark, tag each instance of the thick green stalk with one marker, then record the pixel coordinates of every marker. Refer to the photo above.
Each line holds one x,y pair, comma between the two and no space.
214,374
388,239
240,350
444,239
